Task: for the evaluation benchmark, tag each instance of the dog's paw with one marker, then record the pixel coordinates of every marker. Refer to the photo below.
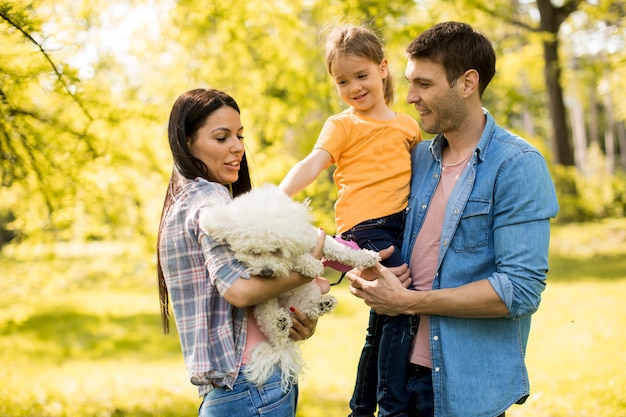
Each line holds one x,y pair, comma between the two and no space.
326,304
283,324
367,258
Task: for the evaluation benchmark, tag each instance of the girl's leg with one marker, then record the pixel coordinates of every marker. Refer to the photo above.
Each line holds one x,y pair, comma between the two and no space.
363,402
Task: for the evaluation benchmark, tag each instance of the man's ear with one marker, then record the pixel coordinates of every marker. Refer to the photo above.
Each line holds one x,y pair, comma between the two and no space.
469,82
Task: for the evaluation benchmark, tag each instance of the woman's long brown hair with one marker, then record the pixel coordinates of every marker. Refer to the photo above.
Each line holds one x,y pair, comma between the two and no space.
187,116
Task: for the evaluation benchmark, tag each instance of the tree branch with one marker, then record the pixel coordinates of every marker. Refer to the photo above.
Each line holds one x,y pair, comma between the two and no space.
5,14
507,17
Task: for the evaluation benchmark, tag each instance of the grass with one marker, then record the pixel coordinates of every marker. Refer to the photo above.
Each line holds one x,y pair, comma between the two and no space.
80,335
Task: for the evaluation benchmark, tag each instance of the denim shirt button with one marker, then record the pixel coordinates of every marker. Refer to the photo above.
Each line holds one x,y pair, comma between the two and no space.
436,338
445,243
437,369
424,206
456,211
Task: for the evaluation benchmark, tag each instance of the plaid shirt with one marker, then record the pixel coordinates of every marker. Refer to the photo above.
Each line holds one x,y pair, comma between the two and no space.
198,270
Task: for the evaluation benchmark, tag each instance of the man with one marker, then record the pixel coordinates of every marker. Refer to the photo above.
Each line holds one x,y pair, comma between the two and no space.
476,237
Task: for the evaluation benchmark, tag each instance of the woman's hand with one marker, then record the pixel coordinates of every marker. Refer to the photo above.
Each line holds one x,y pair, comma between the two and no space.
303,326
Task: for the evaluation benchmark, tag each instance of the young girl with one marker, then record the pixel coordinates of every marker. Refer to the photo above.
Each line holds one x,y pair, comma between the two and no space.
370,145
212,294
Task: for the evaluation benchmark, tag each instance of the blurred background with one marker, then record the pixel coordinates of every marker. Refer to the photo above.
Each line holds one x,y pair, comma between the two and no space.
85,93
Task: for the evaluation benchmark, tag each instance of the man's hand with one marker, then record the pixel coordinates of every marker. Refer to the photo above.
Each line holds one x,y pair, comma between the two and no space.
402,272
388,296
384,291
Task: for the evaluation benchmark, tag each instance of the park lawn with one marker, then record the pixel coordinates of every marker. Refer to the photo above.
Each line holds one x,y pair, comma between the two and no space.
80,335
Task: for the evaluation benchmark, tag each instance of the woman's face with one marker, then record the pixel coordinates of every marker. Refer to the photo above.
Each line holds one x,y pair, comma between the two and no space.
219,144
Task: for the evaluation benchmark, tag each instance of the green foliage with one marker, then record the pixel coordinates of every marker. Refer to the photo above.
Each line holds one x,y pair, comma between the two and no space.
83,110
590,196
70,147
275,69
588,252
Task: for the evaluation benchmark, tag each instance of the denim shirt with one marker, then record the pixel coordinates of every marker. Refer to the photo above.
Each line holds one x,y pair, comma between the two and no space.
496,227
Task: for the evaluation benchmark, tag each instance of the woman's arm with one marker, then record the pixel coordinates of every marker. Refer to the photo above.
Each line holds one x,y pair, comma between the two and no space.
255,290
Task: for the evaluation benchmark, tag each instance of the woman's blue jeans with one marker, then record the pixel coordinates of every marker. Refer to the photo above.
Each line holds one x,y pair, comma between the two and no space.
381,375
247,400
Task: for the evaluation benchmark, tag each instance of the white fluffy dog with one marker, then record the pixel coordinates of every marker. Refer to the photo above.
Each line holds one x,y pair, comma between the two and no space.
272,235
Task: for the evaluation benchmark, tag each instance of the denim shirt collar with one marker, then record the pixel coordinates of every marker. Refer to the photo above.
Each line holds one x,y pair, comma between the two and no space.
439,143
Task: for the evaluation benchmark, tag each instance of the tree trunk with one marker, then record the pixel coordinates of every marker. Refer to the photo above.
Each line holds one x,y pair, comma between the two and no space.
594,130
609,137
551,19
621,139
578,133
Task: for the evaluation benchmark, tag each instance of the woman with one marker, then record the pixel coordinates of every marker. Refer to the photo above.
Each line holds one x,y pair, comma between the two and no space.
212,295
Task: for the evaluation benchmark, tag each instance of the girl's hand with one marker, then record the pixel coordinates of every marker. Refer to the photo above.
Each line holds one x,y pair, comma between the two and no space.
317,250
323,284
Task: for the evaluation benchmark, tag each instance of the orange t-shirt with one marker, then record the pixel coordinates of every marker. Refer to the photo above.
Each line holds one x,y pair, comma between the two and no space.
373,159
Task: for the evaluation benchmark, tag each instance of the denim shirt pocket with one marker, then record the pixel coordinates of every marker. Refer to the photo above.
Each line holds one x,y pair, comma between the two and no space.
473,229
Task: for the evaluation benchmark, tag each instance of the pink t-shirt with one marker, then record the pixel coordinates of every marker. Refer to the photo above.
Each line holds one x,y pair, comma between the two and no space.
425,256
254,337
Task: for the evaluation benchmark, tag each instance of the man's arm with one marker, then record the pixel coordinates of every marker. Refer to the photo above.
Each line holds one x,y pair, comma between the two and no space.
386,295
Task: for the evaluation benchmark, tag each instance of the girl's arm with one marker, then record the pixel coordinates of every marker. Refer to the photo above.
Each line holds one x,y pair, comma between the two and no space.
305,172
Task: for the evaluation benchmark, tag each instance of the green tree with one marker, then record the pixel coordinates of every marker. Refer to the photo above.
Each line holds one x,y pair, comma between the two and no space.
38,98
83,109
547,19
270,57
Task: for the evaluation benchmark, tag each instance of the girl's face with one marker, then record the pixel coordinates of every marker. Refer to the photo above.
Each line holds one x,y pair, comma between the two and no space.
219,144
360,83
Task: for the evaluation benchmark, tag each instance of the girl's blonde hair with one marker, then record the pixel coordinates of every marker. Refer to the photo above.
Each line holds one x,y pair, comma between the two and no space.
362,42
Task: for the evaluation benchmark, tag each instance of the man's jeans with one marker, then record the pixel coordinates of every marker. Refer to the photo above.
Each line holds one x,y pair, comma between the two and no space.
247,400
420,392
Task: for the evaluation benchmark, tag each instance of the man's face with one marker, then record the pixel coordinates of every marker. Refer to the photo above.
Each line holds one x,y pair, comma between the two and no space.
439,105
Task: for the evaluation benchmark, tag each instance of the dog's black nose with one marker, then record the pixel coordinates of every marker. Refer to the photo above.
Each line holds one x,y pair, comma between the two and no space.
266,272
